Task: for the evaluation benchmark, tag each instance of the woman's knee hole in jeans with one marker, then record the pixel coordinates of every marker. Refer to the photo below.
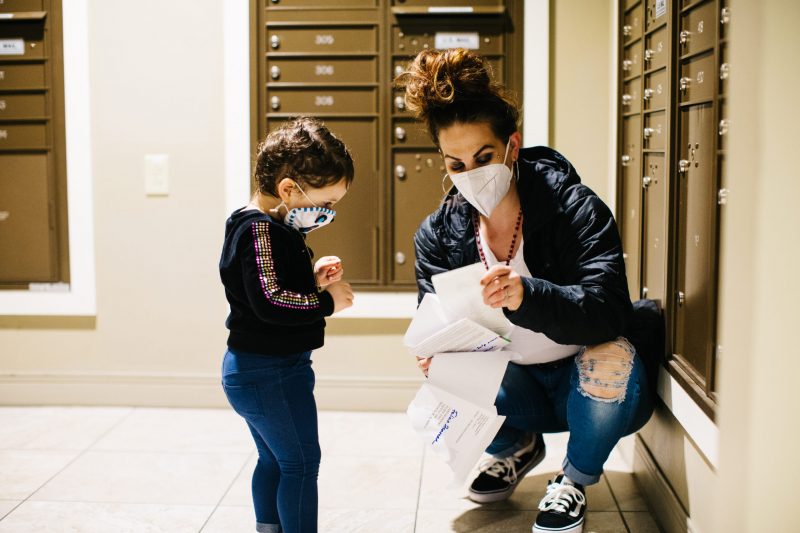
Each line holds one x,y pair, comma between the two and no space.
604,370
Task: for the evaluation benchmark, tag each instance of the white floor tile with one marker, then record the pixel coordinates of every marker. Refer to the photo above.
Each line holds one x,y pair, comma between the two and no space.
55,428
347,482
385,434
25,471
366,521
231,520
38,517
6,506
240,492
143,477
180,430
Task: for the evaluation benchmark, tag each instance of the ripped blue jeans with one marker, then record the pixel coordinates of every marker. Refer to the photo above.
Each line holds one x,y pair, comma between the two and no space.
599,397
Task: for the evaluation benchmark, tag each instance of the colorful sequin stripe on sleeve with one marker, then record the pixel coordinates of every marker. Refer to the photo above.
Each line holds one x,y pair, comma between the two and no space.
269,278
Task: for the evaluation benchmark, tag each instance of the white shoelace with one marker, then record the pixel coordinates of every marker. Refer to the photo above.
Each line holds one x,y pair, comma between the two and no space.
559,497
495,467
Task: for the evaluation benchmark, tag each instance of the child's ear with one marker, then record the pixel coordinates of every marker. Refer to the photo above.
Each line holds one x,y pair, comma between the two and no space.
285,188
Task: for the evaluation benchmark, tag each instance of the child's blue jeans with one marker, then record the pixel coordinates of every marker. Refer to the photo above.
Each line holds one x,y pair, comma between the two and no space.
275,396
548,399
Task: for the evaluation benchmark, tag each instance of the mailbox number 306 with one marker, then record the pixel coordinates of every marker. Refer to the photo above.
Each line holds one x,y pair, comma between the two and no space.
323,39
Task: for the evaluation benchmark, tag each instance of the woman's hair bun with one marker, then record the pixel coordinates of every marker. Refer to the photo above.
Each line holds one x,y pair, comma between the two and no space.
439,78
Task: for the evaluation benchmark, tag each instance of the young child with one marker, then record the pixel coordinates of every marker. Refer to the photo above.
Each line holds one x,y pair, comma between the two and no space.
278,301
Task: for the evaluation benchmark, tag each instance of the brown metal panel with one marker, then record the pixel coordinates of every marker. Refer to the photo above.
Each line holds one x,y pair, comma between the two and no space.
27,234
320,3
417,179
10,6
656,53
16,106
29,35
354,234
22,136
632,25
400,65
631,97
630,3
696,245
723,125
631,199
316,100
632,60
322,39
655,130
654,256
697,78
15,77
655,90
446,3
413,38
697,28
656,13
322,70
407,132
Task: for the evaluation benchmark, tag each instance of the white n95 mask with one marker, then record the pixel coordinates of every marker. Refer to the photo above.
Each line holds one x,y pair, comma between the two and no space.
306,219
485,187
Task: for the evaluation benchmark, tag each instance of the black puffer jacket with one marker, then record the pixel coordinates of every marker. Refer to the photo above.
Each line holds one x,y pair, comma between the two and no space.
578,293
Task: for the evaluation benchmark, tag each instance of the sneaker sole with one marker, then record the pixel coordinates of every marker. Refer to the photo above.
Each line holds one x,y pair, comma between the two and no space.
576,528
489,497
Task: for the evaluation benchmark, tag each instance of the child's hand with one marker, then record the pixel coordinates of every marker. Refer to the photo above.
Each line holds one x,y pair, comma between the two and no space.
342,294
328,270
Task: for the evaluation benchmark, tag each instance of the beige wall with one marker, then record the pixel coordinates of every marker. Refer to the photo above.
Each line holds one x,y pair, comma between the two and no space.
581,85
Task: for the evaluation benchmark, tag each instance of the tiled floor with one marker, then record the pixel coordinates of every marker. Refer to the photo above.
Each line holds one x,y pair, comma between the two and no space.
186,470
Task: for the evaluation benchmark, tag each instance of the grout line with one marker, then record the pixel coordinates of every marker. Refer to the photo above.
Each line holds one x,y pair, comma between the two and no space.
419,486
616,504
230,486
70,463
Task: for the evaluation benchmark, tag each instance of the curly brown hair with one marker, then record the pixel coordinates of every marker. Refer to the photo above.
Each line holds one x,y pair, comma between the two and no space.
443,87
304,150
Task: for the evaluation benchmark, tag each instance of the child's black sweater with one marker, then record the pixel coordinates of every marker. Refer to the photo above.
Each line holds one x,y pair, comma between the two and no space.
270,285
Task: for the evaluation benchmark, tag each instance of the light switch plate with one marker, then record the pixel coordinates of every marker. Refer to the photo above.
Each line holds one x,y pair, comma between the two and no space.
156,174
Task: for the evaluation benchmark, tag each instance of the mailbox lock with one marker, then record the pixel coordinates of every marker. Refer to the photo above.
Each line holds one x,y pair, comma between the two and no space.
722,196
276,102
684,37
646,181
400,258
684,83
724,71
625,160
644,292
723,126
626,99
725,15
627,64
398,69
400,172
400,103
400,133
683,165
648,132
626,30
648,54
681,298
275,72
648,94
275,41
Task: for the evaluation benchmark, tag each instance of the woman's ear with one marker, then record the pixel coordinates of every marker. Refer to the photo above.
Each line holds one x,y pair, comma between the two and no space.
516,144
284,189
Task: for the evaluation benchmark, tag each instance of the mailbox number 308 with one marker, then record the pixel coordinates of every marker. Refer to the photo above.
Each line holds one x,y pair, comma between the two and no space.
323,39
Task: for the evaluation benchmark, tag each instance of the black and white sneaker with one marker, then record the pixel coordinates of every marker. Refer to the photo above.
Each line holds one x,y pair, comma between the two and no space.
562,508
499,477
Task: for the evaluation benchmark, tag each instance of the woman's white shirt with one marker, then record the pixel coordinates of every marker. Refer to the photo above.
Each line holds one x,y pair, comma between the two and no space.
532,346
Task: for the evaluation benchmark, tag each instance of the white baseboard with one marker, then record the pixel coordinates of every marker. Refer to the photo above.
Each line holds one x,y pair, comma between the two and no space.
662,500
356,393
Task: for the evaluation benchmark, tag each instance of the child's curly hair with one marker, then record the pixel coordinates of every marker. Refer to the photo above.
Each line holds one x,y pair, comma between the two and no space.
304,150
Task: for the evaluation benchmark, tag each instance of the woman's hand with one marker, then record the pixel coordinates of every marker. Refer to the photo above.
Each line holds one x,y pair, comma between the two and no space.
502,287
423,363
328,270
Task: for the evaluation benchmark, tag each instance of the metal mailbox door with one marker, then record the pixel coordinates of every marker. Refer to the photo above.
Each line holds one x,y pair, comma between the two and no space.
654,257
322,39
656,50
322,70
698,29
697,79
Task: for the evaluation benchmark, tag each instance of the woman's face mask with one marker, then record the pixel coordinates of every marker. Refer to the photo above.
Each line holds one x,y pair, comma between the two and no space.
306,219
485,187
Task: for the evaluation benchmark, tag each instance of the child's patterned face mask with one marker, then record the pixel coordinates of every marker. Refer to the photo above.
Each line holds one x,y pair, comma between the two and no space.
306,219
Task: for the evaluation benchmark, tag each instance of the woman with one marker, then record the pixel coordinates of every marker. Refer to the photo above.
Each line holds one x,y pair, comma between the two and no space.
554,265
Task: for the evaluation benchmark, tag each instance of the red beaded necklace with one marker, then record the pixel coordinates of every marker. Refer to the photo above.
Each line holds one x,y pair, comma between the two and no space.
477,224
